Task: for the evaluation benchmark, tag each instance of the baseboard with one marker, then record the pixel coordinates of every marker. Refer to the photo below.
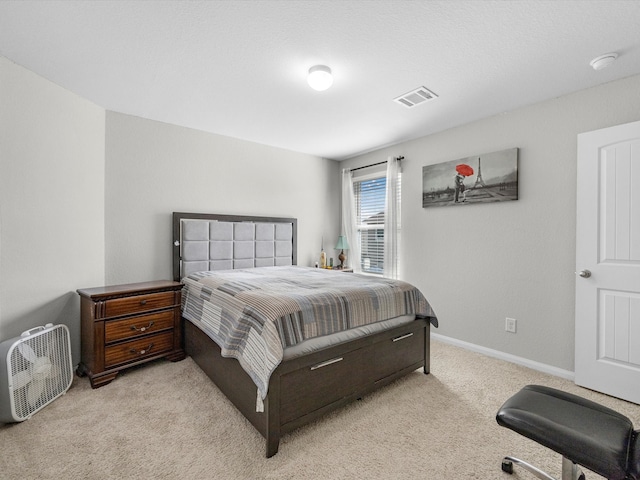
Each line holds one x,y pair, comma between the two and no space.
540,367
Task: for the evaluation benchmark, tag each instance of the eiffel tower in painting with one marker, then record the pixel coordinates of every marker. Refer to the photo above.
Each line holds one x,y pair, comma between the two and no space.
479,181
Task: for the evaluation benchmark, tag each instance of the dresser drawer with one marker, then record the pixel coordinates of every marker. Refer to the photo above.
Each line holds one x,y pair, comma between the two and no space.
116,330
138,349
138,303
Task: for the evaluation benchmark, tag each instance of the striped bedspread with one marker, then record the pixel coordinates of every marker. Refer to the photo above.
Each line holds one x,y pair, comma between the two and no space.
253,314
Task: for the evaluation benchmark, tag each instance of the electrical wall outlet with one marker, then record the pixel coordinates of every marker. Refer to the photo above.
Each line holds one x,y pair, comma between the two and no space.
510,325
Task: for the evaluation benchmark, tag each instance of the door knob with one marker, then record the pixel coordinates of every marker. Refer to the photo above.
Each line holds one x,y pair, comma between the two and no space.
584,273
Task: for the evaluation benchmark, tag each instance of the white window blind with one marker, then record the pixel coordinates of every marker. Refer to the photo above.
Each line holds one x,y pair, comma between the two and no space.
370,212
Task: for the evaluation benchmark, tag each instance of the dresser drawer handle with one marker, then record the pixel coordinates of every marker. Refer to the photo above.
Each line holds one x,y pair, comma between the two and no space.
142,329
143,302
328,362
143,351
402,337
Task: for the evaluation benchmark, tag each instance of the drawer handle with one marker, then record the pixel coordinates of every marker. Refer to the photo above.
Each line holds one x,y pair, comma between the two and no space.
143,302
143,351
142,329
402,337
328,362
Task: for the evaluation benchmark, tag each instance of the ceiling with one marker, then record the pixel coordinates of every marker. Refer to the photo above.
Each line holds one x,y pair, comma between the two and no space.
238,68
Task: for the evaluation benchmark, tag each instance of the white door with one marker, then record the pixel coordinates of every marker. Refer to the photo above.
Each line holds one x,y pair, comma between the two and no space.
608,248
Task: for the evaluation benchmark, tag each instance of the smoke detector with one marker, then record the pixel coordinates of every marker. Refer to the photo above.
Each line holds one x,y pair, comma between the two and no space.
603,61
416,97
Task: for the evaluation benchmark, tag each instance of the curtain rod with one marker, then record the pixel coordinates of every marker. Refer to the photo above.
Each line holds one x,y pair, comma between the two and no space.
373,165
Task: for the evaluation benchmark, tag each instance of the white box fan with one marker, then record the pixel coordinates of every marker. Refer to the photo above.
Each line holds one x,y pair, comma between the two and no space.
35,369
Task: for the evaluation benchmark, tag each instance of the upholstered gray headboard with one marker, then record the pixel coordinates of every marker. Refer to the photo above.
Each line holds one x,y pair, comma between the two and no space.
221,242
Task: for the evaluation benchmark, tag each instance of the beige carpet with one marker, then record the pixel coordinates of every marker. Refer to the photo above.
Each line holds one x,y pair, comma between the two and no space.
168,421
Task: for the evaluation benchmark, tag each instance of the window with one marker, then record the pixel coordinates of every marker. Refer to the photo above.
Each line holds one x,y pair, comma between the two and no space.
369,194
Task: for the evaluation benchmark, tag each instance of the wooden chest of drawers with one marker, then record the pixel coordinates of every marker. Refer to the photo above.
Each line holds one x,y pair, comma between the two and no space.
126,325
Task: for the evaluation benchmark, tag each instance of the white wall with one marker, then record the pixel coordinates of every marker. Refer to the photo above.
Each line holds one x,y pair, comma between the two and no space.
51,202
154,169
478,264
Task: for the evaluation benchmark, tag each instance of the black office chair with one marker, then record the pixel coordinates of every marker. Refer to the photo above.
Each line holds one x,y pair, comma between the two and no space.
583,432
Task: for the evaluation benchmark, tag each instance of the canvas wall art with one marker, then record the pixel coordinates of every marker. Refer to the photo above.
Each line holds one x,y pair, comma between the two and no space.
490,177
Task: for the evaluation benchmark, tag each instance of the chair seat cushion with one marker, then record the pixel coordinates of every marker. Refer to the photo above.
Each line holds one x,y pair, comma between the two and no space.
583,431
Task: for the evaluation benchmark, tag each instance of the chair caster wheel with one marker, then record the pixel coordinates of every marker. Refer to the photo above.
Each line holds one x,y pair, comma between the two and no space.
507,466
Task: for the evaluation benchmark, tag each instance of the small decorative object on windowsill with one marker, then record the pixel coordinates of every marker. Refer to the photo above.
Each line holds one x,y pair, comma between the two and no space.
342,245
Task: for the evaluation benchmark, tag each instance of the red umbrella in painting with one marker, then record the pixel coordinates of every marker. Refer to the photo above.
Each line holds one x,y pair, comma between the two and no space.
464,169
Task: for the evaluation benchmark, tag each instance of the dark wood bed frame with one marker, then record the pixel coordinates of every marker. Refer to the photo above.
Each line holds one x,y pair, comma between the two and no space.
304,388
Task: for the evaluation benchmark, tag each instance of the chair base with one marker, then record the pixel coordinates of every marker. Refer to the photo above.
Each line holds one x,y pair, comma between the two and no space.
570,471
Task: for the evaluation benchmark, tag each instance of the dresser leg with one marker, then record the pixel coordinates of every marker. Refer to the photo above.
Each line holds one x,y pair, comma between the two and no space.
82,370
176,356
102,380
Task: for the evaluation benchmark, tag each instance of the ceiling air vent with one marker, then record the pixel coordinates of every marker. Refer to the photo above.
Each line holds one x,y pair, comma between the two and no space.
416,97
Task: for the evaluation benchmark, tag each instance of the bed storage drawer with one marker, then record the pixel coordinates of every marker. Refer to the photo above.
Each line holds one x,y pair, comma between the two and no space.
399,351
376,359
322,383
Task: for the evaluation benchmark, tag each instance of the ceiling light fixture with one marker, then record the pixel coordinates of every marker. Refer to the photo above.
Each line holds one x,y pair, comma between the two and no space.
603,61
320,77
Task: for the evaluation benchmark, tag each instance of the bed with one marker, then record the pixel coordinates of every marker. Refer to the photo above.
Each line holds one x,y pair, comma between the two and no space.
287,344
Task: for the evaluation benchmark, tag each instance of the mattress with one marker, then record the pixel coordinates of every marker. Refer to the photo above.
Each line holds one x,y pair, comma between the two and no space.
318,343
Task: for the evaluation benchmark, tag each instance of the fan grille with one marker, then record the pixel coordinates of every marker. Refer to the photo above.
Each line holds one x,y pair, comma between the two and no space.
54,379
